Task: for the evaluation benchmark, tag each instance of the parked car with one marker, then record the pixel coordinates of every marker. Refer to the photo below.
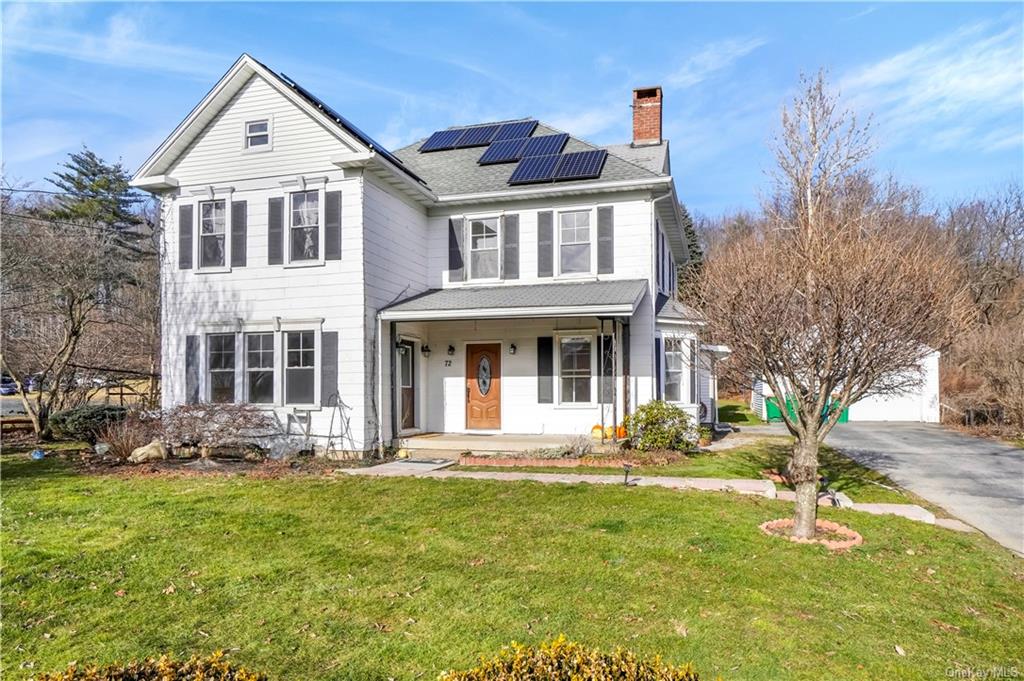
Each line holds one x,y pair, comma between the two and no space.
8,386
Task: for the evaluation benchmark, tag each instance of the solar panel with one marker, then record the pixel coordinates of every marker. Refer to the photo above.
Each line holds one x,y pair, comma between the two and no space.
534,169
580,165
442,139
545,145
504,151
479,136
509,131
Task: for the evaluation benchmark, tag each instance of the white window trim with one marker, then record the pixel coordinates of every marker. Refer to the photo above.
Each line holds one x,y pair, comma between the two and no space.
684,383
315,185
245,367
594,385
207,383
592,272
469,219
225,195
269,146
317,365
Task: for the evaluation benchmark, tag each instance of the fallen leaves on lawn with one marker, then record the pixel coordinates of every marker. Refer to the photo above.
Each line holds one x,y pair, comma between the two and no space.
945,626
120,593
900,651
477,562
169,589
680,628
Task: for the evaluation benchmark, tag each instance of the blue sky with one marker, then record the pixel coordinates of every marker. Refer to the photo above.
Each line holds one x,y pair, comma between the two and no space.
943,81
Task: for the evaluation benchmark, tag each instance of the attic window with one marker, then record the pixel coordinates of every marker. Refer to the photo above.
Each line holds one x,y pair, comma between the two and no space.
257,133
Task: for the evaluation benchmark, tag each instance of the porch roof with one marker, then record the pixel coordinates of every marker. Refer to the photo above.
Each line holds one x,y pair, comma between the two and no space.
573,299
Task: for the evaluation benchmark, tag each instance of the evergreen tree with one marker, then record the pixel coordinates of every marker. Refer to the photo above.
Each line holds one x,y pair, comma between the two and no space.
98,194
688,272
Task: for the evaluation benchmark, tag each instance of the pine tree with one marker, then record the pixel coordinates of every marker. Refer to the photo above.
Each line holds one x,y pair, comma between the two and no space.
98,194
688,272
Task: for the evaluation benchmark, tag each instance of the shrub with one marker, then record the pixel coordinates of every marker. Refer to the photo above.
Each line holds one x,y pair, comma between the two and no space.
212,668
85,422
562,660
135,430
659,425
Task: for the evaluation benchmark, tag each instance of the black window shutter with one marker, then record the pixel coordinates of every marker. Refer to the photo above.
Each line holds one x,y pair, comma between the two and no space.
606,369
184,237
510,234
191,369
328,368
275,231
545,369
456,259
239,225
545,244
657,368
605,240
332,226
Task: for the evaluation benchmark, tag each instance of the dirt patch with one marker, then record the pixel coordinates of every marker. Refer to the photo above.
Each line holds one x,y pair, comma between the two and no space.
831,535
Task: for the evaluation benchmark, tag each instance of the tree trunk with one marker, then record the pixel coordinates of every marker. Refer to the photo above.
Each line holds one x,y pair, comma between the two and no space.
803,472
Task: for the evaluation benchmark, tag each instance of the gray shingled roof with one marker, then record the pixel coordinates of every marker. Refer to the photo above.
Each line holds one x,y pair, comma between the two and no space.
457,172
669,308
653,157
467,301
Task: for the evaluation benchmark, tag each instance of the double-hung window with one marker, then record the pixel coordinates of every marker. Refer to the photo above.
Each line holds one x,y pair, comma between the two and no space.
674,369
257,134
574,369
304,237
300,365
212,223
574,242
259,368
221,364
484,253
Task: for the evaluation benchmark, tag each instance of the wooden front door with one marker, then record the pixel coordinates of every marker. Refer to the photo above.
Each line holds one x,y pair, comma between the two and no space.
483,386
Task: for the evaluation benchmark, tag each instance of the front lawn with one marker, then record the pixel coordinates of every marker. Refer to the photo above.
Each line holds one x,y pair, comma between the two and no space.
746,462
356,578
737,411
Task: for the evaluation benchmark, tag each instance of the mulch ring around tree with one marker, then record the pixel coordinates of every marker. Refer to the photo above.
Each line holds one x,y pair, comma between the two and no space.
832,536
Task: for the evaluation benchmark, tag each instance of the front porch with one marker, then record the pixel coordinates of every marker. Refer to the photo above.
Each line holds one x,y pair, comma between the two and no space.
452,445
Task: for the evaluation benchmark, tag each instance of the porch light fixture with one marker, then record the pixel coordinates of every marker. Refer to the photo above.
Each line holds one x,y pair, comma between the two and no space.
512,349
451,350
425,349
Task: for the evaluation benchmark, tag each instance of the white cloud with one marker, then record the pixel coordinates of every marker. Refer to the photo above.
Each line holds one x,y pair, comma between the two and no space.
123,42
711,59
37,138
946,93
590,121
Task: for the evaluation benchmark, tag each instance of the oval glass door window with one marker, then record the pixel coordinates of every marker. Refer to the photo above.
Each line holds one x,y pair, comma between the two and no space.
483,375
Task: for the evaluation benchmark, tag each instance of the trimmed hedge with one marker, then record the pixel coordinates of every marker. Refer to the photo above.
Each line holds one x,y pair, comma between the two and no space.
562,660
85,422
658,425
212,668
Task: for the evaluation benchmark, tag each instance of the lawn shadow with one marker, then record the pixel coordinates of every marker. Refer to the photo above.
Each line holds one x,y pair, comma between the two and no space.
736,413
15,466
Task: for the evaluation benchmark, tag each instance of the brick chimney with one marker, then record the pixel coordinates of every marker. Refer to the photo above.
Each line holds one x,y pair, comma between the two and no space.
646,116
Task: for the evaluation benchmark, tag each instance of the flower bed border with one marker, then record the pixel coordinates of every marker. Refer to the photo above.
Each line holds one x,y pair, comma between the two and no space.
834,545
538,462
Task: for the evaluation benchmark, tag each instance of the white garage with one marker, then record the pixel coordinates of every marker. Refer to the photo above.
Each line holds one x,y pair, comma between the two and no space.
920,404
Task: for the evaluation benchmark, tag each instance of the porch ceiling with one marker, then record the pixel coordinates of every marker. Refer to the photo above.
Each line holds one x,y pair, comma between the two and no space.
572,299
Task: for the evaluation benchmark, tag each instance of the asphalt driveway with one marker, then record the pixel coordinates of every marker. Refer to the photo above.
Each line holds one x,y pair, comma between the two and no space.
977,480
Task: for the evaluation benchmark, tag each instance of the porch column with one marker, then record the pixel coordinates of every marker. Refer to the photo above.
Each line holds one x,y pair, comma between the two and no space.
392,335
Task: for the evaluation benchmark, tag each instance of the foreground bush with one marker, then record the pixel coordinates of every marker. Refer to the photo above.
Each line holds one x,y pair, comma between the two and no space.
660,425
128,434
562,660
85,422
213,668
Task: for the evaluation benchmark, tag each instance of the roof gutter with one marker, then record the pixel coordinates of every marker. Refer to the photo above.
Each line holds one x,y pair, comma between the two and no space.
548,190
625,309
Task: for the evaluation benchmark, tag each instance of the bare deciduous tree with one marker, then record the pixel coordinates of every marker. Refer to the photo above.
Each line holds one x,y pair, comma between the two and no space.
839,293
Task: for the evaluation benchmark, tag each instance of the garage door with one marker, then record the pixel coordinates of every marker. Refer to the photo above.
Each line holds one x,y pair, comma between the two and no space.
920,404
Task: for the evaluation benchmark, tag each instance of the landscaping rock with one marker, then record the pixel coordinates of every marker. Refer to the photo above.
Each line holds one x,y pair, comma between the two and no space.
843,501
154,451
911,511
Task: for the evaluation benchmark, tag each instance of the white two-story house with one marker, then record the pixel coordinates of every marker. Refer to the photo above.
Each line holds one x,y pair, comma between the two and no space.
493,278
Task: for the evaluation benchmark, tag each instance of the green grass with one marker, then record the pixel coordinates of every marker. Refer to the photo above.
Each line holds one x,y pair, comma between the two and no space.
737,411
355,578
747,461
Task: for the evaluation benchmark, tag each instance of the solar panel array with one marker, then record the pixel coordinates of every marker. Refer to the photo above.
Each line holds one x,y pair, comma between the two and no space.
578,165
507,151
477,135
